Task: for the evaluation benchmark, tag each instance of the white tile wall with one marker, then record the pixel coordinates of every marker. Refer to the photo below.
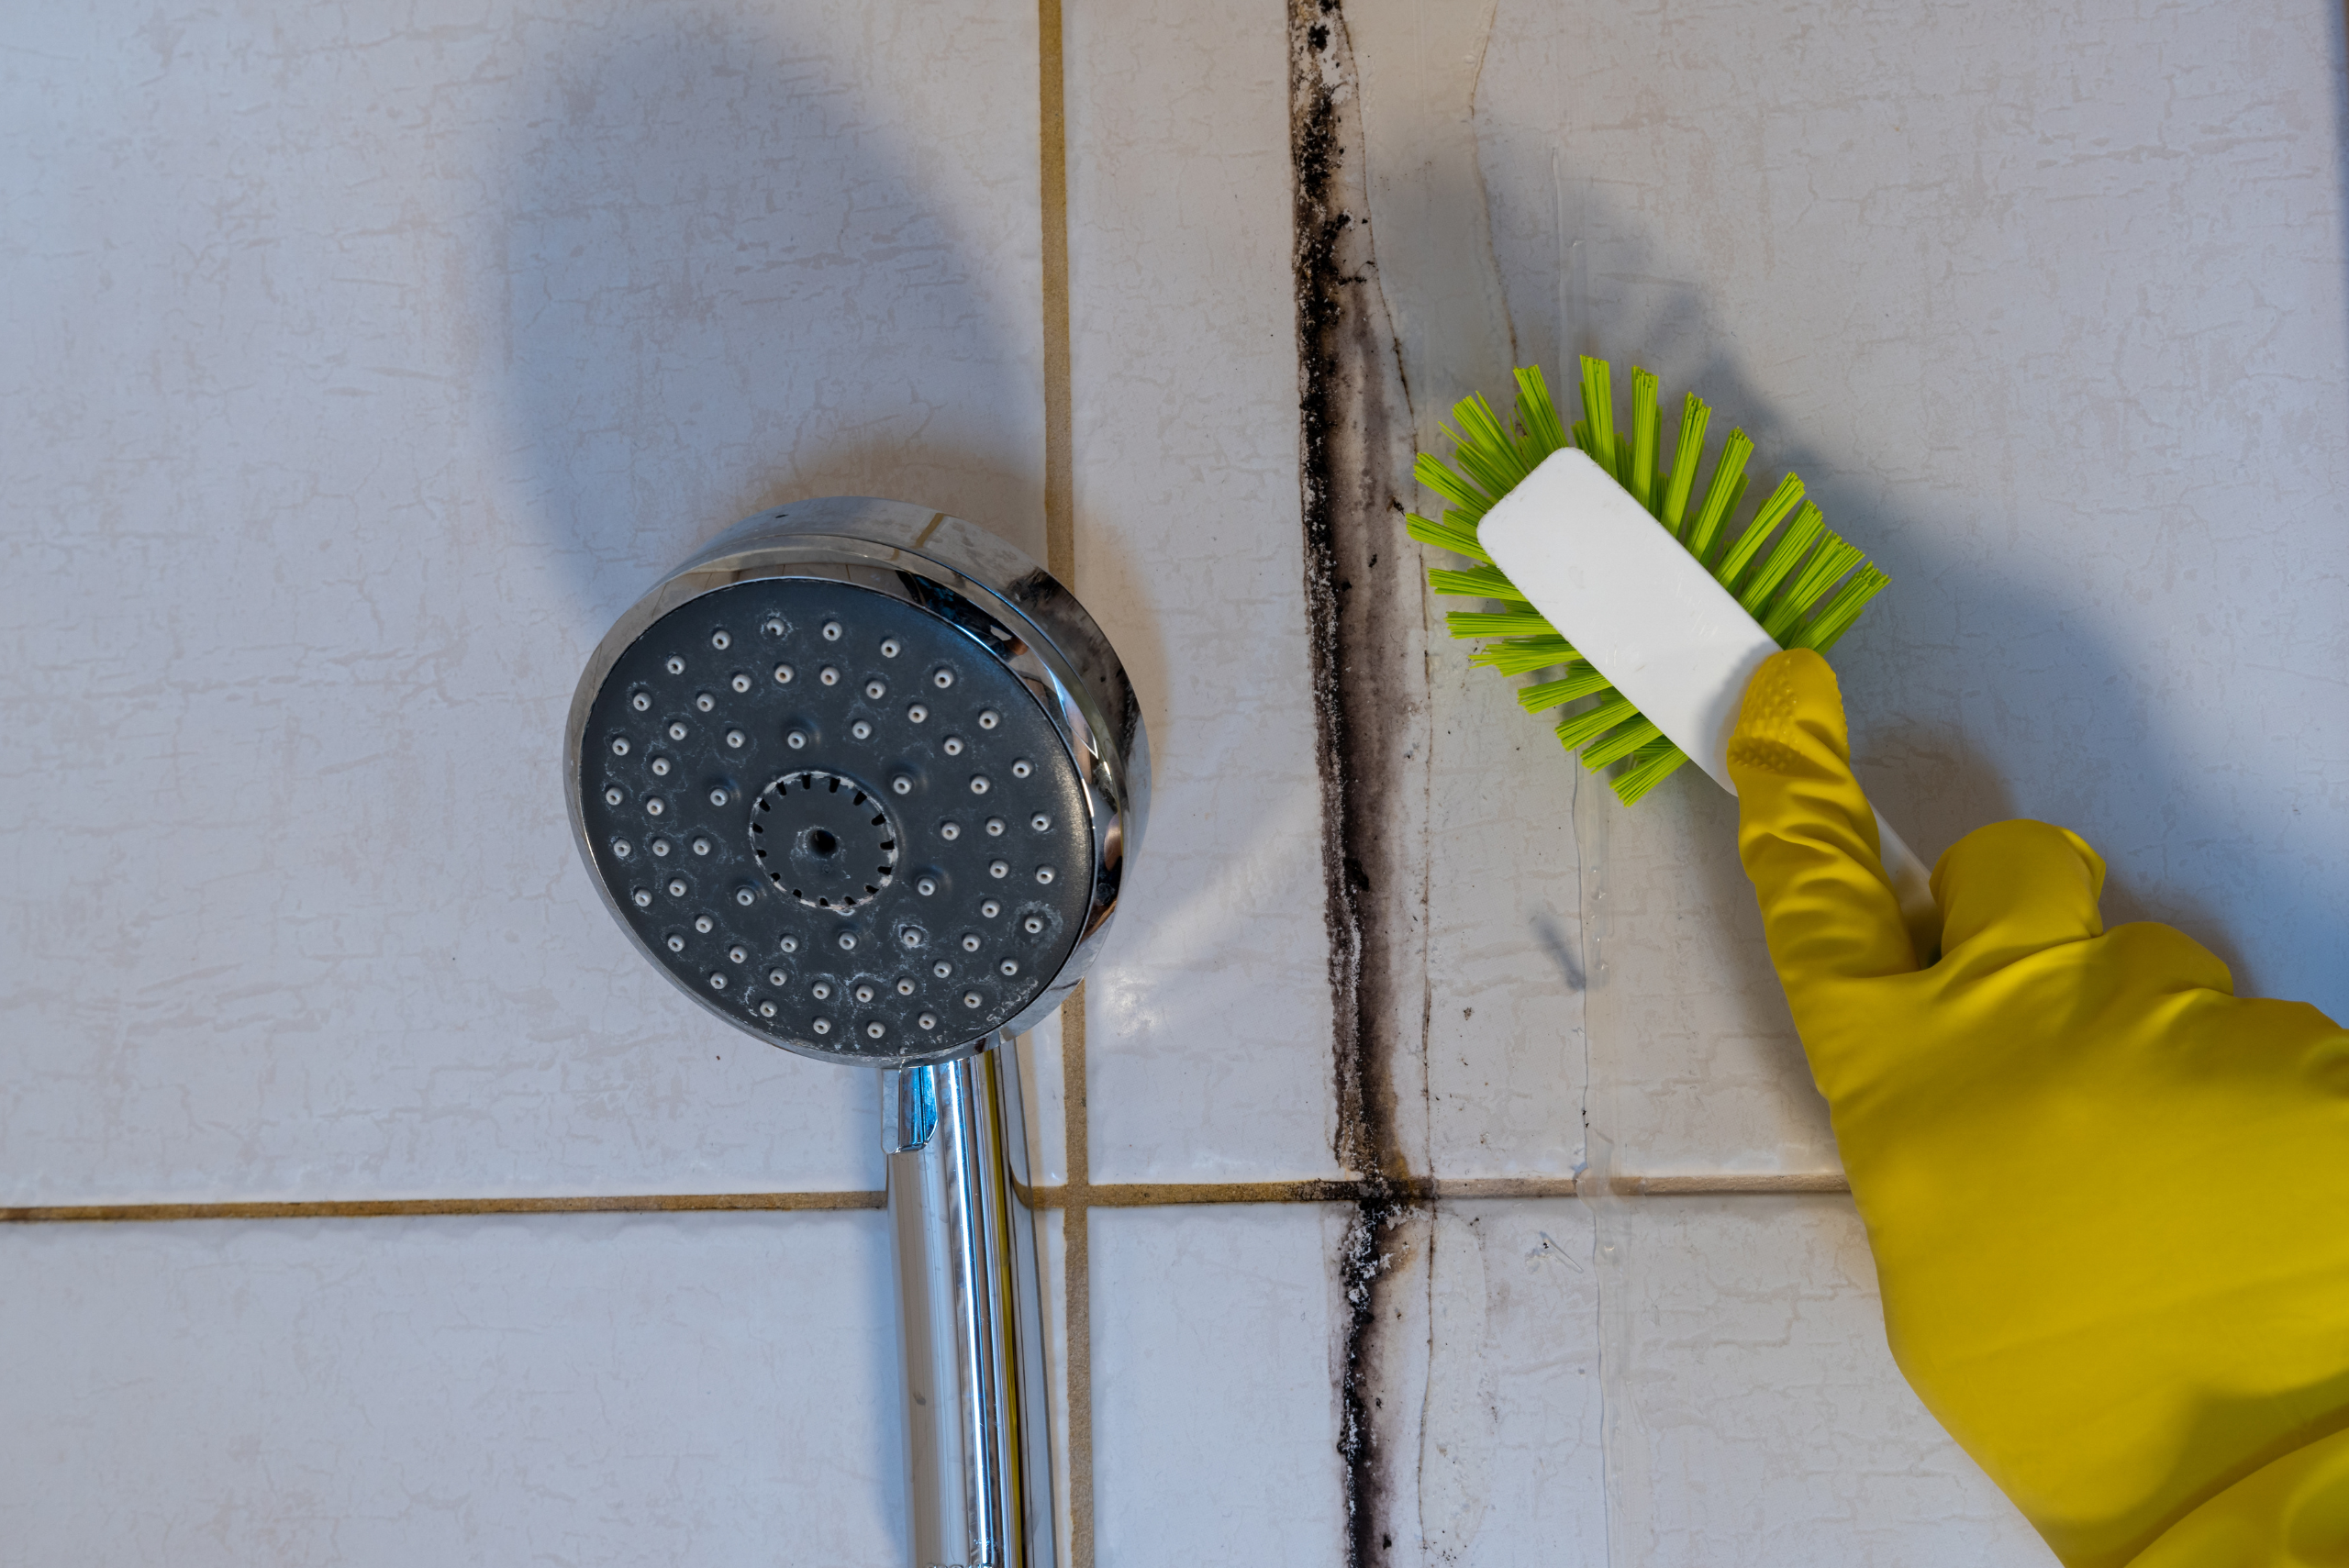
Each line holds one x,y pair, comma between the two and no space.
1209,1042
1215,1422
1752,1411
2048,308
703,1388
370,360
1504,1052
1511,1465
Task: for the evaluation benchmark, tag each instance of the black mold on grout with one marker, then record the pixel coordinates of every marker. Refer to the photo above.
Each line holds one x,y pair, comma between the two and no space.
1361,604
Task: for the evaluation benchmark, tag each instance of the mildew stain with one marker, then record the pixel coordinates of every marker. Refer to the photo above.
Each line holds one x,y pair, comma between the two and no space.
1362,609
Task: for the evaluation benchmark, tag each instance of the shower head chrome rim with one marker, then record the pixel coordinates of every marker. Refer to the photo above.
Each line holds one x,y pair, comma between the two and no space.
861,780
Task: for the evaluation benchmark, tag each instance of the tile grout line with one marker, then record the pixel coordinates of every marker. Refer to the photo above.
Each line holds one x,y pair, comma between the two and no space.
1060,472
415,1208
1060,560
1075,1198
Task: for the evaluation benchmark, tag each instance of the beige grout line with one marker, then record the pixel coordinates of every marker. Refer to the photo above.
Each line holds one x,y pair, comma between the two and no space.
1422,1189
1076,1278
1076,1197
388,1208
1060,485
1060,560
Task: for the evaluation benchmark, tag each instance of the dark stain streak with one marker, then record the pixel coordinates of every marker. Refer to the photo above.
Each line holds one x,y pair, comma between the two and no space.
1366,703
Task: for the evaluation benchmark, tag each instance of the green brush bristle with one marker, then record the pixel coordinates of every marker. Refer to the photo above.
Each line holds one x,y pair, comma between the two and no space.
1520,655
1805,586
1595,721
1526,622
1473,501
1787,548
1581,681
1599,415
1672,513
1485,582
1820,573
1821,630
1651,765
1535,415
1782,500
1484,448
1621,743
1721,495
1642,480
1446,535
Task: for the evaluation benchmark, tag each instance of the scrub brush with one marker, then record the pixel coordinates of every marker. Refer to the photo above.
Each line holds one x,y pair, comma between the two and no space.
1622,586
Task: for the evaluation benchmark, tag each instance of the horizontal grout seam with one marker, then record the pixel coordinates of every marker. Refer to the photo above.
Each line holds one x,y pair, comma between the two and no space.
1107,1195
393,1208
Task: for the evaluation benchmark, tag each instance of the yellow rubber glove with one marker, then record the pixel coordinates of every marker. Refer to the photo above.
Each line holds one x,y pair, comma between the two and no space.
2109,1200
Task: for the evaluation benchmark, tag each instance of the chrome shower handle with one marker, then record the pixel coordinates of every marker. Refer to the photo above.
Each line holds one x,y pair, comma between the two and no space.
978,1452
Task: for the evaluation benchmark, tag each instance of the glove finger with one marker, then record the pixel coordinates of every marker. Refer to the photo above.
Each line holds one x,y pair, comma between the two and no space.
2013,888
1806,833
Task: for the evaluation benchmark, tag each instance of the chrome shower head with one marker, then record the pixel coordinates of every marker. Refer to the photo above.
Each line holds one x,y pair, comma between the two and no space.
861,780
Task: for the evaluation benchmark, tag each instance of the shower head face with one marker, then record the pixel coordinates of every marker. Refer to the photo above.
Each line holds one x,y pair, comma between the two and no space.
837,815
850,808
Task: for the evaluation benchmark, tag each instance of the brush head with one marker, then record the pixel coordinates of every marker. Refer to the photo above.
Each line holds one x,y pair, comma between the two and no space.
860,780
1783,573
1681,649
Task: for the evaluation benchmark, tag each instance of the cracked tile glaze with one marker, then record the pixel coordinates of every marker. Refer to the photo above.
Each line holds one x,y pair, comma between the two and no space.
368,364
594,1390
1211,1382
2048,313
1500,1061
1209,1012
1509,1460
1752,1413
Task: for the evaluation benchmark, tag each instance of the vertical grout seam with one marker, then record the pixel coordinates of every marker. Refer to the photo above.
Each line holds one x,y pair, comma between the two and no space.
1060,560
1076,1284
1060,487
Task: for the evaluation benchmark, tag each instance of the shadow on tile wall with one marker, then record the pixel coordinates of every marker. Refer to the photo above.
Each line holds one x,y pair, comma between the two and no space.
741,269
1985,682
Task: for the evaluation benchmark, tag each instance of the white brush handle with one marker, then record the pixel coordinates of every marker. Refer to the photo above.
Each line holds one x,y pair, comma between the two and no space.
1650,618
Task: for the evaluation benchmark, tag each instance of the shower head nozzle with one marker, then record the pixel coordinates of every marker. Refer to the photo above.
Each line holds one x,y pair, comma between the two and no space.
860,779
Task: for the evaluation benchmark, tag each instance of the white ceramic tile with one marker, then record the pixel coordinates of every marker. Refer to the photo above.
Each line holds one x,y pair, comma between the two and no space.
1044,1104
1753,1414
1208,1042
1510,1465
577,1389
367,360
1506,952
1051,1255
1489,1074
1694,1064
2047,309
1214,1421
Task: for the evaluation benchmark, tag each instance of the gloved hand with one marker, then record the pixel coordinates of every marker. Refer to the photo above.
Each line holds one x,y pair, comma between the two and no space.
2109,1200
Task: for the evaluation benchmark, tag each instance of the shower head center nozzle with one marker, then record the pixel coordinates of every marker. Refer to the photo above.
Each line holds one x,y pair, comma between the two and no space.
825,838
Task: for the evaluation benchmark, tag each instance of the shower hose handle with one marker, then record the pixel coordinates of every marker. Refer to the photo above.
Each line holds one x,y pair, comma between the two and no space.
2107,1199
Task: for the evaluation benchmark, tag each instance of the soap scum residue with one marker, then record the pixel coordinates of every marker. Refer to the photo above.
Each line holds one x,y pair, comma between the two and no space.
1362,614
